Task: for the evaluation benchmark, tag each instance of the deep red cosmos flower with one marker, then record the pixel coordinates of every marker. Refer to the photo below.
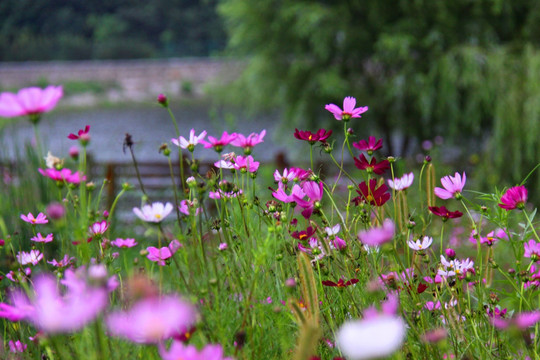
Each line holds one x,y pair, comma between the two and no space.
304,235
372,166
373,195
321,135
341,283
445,213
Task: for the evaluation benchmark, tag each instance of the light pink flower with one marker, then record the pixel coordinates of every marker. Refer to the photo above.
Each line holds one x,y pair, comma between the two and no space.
154,213
32,257
67,260
349,111
98,228
29,101
514,198
378,235
401,183
124,243
223,246
314,191
40,219
191,142
420,244
153,320
187,207
17,346
189,352
453,186
40,238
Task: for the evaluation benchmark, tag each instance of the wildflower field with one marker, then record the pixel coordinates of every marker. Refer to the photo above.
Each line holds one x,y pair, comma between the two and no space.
355,262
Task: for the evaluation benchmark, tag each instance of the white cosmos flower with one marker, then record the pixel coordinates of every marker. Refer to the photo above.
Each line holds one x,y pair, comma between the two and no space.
401,183
154,213
371,338
419,245
191,142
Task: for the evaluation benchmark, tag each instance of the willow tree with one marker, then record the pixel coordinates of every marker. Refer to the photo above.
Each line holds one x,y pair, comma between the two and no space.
468,70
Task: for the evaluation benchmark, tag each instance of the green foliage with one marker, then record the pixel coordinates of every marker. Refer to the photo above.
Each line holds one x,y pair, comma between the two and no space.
115,29
465,70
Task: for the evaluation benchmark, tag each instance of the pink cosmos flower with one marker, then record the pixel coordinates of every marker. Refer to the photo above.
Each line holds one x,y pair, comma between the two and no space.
335,241
490,238
532,250
66,261
296,192
223,246
246,163
514,198
189,352
124,243
51,312
154,213
29,101
164,253
63,175
453,186
219,144
378,235
17,346
32,257
349,111
220,194
522,320
248,142
401,183
40,238
285,177
40,219
455,267
314,191
191,142
98,228
153,320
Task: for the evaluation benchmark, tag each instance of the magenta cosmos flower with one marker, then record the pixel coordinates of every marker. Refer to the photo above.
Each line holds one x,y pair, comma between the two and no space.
246,164
63,175
164,253
153,320
321,135
514,198
219,144
369,146
39,219
453,186
372,166
154,213
247,143
98,228
124,243
349,111
532,250
191,142
82,135
31,101
40,238
314,191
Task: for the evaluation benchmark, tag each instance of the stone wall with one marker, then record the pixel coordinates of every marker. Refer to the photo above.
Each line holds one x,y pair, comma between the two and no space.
132,79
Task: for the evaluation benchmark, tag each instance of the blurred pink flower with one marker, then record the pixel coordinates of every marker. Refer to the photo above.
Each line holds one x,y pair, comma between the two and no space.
218,144
401,183
189,352
532,250
453,186
514,198
124,243
349,111
248,142
32,257
66,261
378,235
153,320
164,253
99,228
17,346
63,175
40,238
29,101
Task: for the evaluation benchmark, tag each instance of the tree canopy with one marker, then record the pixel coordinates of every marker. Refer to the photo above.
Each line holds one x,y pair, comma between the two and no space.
464,69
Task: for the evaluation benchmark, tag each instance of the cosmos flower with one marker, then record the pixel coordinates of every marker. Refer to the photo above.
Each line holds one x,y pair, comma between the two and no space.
81,135
191,142
349,111
532,250
420,245
98,228
63,175
124,243
401,183
376,196
369,146
155,213
31,101
39,219
32,257
341,283
321,135
444,213
179,350
246,163
219,144
372,166
378,235
40,238
248,142
514,198
153,320
453,186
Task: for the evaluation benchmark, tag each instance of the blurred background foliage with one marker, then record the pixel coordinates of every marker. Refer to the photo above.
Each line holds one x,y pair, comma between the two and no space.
468,70
108,29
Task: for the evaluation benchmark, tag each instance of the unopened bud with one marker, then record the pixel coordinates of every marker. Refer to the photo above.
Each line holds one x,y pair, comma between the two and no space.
162,100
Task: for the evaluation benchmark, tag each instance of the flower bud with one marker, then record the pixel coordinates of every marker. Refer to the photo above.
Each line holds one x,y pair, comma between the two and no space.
162,100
